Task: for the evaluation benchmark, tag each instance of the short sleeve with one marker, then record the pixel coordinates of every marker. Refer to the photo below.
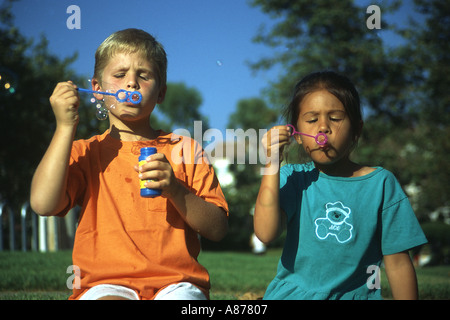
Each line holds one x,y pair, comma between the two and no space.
288,198
76,184
193,167
400,228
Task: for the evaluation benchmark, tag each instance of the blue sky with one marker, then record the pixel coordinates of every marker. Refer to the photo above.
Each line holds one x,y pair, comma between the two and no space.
208,42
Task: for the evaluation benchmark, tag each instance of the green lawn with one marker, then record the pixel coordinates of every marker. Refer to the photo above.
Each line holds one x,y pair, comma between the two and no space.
234,275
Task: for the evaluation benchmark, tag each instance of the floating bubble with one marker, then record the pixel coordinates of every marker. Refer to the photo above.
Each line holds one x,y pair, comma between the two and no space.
110,97
219,63
101,114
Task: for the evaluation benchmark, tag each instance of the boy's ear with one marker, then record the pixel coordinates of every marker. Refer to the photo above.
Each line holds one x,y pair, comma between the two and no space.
162,94
97,87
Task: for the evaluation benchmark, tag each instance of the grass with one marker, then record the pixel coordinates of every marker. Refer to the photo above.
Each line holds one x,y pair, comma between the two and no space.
238,275
234,275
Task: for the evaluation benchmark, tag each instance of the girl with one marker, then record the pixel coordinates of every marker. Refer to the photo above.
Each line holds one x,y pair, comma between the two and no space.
343,219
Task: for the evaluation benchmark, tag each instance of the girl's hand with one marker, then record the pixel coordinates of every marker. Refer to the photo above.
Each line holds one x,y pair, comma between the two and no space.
275,140
159,175
65,102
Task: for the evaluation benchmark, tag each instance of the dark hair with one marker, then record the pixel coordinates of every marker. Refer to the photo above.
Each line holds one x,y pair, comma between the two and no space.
338,85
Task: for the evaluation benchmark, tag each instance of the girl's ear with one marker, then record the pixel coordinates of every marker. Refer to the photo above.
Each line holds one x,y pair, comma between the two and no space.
298,138
97,87
360,128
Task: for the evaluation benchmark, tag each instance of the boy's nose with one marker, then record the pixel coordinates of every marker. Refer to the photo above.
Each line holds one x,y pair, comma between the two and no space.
132,84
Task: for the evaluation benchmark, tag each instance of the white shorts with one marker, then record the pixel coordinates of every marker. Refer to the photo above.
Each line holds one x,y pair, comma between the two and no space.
177,291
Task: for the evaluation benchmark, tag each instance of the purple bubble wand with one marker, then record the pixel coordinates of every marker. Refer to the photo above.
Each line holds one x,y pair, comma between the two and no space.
320,138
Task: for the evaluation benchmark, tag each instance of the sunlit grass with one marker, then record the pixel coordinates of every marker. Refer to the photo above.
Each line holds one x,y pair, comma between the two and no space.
234,275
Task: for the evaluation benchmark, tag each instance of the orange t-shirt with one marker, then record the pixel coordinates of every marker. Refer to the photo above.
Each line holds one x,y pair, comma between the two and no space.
125,239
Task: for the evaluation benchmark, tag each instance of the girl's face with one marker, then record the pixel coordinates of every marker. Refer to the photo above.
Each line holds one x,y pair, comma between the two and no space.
322,112
131,72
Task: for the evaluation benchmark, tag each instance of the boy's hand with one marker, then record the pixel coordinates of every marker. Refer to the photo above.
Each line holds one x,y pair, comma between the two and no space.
275,140
159,171
65,102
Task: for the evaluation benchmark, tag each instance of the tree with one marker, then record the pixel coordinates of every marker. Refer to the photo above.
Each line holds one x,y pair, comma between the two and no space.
418,151
315,35
253,114
180,108
428,52
404,87
28,76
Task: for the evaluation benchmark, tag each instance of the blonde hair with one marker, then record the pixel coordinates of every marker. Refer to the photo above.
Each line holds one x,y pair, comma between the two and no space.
132,41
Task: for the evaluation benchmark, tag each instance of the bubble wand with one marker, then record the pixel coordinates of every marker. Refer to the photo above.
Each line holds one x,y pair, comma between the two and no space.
121,95
321,138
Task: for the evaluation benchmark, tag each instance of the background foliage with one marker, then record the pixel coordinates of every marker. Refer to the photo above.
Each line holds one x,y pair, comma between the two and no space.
404,90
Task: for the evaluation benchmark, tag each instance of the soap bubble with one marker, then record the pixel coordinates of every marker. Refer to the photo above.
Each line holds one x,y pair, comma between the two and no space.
111,95
321,139
122,95
101,114
135,97
219,63
109,101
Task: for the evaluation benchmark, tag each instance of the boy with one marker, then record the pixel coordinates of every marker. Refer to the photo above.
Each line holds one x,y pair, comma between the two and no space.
127,246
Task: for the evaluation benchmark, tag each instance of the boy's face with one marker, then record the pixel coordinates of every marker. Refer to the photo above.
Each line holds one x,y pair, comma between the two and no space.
131,72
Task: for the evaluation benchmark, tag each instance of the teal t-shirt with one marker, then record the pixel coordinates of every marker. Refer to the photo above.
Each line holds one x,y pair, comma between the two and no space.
338,230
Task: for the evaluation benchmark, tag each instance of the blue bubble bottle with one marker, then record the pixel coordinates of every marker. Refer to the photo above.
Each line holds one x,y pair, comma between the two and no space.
146,192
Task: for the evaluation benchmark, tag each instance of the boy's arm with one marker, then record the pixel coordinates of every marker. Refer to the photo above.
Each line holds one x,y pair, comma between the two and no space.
401,276
209,220
48,187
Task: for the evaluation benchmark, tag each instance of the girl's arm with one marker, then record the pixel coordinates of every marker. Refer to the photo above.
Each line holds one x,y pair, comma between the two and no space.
48,187
268,217
401,276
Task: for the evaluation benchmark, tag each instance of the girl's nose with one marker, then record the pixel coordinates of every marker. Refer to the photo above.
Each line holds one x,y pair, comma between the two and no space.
324,127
